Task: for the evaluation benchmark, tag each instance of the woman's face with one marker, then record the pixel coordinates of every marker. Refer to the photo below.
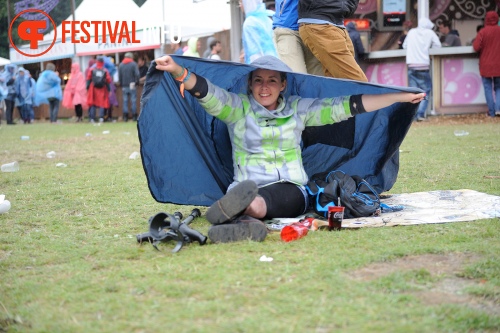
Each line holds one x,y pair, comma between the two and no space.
266,86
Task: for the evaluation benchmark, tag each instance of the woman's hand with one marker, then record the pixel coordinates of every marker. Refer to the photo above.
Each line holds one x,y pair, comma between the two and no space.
413,98
166,63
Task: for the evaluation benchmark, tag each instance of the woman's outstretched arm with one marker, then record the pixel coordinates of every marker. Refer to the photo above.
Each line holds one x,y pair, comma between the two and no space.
376,102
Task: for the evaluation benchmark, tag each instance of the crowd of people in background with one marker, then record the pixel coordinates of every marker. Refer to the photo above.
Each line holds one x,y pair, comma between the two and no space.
92,91
308,36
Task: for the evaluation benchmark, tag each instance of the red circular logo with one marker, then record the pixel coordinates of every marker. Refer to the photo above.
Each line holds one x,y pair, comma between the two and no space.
33,36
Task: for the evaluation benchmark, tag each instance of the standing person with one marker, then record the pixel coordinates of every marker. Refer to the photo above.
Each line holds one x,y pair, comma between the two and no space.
98,86
269,177
321,27
89,68
113,102
208,50
75,93
31,99
291,50
48,90
143,69
257,31
177,47
359,49
417,43
193,46
406,27
23,92
215,49
447,37
487,44
7,78
128,76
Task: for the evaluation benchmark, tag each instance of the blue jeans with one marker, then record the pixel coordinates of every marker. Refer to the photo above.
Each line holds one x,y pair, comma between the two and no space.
54,110
421,79
490,84
126,91
92,112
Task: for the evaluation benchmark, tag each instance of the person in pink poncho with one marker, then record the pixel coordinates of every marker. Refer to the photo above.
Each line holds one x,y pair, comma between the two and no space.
75,93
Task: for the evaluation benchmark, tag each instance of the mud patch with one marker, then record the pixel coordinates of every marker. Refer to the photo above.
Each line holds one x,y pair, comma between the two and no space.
436,264
448,289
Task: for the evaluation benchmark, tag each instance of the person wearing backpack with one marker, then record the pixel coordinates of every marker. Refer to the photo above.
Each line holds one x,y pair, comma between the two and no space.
265,127
98,84
128,76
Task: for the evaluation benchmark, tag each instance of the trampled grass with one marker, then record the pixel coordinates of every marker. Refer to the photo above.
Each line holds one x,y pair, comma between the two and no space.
69,260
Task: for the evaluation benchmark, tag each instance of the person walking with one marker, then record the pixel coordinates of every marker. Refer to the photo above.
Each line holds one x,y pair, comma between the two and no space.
128,76
487,44
98,86
417,44
269,179
289,46
321,27
48,91
75,92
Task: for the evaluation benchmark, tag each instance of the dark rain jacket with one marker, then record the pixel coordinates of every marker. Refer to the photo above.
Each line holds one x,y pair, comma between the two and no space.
333,11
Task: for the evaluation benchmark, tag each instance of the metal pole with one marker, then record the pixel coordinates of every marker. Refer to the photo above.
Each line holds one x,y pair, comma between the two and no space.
423,9
236,30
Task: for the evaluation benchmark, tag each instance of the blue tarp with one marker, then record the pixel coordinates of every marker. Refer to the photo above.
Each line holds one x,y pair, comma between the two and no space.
186,153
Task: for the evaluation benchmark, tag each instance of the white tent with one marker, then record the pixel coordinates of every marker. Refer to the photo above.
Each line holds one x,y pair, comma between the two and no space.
4,61
186,18
100,10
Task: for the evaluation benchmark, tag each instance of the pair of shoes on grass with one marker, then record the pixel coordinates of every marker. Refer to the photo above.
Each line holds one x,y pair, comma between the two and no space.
228,223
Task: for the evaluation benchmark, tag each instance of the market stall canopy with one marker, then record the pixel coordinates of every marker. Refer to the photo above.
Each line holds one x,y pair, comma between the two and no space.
4,61
194,19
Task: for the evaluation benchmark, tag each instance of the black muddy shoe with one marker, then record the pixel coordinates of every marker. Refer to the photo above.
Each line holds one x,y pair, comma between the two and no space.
243,228
233,203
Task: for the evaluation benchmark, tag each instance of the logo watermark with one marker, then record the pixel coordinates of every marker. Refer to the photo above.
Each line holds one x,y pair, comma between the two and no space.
75,32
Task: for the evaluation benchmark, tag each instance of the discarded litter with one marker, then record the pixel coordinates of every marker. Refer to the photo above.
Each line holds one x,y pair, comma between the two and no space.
88,134
10,167
265,258
106,132
135,155
25,137
51,154
4,204
61,165
461,133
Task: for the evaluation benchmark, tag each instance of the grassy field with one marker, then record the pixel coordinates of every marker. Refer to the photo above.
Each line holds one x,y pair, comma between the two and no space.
69,260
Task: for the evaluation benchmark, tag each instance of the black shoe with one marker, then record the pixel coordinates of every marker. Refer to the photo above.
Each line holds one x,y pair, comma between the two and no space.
243,228
134,118
12,123
233,203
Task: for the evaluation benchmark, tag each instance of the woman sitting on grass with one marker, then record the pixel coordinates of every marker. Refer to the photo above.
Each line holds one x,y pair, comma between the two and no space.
265,130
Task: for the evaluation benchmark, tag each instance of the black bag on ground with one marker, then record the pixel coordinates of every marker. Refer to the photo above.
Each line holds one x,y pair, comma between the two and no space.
355,193
99,77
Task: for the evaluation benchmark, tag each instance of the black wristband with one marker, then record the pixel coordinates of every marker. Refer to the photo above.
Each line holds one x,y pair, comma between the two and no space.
356,105
200,88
